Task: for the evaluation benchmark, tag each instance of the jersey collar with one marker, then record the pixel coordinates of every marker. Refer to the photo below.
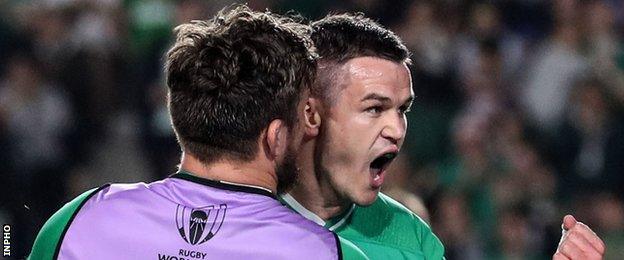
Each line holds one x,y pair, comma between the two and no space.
226,185
331,224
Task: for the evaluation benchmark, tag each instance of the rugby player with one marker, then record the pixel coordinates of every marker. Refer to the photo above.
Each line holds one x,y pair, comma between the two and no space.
236,86
354,127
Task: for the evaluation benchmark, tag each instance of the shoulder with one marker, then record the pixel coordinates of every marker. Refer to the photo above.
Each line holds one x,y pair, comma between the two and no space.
117,196
115,191
52,232
404,218
399,209
385,203
401,215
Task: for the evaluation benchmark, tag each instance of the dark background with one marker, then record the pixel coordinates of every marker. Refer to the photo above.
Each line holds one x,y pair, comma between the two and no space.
517,121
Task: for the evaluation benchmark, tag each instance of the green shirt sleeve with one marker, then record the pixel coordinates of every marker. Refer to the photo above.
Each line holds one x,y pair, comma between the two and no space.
49,238
350,251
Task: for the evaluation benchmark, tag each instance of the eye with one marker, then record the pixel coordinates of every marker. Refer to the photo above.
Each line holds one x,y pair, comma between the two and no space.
374,109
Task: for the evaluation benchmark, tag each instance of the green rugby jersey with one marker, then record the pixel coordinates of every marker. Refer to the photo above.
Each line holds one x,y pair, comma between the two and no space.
384,230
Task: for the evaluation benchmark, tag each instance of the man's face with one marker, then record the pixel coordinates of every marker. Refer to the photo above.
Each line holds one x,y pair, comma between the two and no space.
364,127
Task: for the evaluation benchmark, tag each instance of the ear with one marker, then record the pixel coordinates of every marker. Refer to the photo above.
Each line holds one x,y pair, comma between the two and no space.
277,138
312,117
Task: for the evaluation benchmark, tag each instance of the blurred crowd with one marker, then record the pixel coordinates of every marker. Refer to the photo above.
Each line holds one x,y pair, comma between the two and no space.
518,120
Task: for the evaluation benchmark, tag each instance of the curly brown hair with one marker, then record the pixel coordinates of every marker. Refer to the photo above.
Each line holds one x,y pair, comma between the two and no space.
229,77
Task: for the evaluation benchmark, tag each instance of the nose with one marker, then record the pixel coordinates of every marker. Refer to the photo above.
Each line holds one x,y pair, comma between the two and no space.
395,128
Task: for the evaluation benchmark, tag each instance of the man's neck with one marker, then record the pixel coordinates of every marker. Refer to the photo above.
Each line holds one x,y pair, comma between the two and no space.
252,173
314,191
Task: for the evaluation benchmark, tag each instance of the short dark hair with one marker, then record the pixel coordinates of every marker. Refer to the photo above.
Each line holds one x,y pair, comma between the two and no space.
341,37
229,77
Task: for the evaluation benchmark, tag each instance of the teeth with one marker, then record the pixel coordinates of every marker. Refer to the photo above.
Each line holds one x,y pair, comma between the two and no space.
377,176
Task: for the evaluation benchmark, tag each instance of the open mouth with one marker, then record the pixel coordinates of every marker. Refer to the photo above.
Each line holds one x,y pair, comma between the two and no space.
383,161
378,168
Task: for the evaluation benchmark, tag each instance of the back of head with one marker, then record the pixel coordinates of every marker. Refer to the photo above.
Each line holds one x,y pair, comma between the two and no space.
339,38
229,77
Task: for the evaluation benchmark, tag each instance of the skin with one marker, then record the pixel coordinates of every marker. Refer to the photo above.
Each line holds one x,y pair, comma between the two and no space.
578,242
366,120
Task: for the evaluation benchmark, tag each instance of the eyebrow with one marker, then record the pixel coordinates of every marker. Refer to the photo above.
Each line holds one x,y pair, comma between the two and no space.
384,99
375,96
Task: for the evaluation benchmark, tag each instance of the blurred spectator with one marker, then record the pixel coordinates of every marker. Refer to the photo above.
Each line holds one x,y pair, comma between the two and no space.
555,66
607,219
455,228
486,36
150,24
36,115
516,239
529,19
603,45
160,144
35,118
426,38
427,32
471,171
79,45
591,142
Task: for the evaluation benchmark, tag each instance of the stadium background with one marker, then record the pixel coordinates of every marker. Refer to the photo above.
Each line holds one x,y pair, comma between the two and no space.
518,118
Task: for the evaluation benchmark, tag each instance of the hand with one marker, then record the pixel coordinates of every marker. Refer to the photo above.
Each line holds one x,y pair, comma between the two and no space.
578,241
